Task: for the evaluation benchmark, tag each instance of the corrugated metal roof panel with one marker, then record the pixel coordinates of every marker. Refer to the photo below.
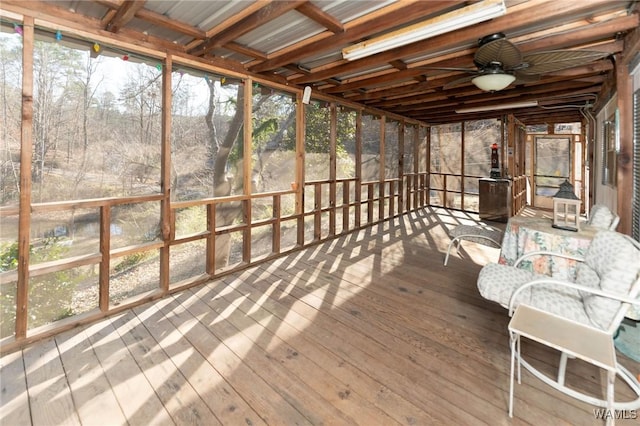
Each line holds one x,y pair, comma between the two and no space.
288,29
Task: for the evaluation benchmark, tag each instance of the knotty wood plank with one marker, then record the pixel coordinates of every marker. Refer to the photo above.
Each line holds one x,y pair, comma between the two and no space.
444,346
94,399
268,403
281,268
47,383
371,337
222,399
283,333
174,390
350,345
14,400
341,403
308,396
136,397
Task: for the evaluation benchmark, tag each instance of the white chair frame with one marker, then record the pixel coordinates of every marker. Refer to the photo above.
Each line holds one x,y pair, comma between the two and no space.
473,237
558,384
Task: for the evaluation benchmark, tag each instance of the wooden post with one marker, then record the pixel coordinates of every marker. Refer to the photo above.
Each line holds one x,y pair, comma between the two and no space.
333,136
275,232
210,265
317,211
427,180
345,205
105,262
358,183
462,174
381,172
416,164
246,165
246,232
26,154
300,176
165,175
401,186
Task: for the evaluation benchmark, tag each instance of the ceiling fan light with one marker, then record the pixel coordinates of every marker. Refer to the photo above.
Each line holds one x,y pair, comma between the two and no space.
493,82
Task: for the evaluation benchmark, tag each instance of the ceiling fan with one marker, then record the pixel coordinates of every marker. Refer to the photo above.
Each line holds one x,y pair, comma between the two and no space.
499,63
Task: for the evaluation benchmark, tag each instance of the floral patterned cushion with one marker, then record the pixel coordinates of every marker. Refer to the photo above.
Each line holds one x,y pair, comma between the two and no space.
478,234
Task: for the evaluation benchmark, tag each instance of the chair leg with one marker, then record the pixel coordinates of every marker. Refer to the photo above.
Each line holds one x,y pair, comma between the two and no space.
451,243
519,363
515,340
611,377
562,368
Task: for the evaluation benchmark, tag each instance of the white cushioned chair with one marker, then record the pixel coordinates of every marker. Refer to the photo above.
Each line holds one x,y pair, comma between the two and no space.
482,234
606,284
603,218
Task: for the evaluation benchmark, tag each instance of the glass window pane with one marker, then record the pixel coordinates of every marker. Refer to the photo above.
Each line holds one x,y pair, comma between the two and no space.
96,122
63,234
10,116
346,143
61,294
273,142
207,119
391,149
479,135
370,148
317,140
409,138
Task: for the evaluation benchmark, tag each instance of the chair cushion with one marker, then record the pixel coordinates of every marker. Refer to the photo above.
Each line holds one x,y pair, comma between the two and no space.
498,282
601,217
616,263
477,234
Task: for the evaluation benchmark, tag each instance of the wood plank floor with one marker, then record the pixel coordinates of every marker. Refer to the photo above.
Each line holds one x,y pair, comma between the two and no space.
369,328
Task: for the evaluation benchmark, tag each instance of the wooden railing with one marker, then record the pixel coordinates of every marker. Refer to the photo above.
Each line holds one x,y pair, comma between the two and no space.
337,207
450,195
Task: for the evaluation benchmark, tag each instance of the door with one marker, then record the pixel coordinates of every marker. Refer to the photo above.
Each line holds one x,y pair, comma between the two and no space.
552,166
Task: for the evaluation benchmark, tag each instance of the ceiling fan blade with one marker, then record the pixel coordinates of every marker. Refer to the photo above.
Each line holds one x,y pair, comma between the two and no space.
458,82
500,50
525,78
556,60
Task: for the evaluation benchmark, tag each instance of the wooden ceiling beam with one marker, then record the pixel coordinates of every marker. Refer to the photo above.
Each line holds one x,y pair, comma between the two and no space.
415,91
510,22
124,14
505,97
316,14
403,15
583,35
170,24
85,24
603,65
250,23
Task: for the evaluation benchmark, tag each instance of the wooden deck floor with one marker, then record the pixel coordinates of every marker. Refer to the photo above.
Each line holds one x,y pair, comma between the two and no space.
367,329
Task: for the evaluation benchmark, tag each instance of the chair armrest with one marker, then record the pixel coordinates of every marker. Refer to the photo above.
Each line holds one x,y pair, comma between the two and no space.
546,253
608,294
477,236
